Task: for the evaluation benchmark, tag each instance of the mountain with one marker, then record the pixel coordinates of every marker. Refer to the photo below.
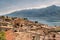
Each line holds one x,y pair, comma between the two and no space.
50,14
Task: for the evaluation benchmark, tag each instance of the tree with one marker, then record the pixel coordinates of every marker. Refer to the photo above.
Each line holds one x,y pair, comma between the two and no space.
14,18
3,16
7,17
25,19
36,21
2,35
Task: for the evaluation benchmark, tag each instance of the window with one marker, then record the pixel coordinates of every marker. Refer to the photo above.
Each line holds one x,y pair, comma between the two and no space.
50,39
31,26
6,29
54,39
33,38
17,24
54,36
21,25
15,30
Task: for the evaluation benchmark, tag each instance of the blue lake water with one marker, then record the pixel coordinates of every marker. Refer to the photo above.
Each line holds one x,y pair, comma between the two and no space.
43,21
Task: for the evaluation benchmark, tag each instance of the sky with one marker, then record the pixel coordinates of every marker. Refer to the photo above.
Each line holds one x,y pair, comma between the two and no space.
8,6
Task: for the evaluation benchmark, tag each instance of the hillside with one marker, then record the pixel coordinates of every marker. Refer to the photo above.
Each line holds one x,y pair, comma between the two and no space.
15,28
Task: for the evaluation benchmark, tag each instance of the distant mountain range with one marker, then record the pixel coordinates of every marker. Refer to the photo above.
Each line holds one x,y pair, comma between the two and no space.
50,14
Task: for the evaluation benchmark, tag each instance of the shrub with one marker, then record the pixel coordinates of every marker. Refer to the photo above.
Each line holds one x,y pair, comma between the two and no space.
2,35
25,19
36,21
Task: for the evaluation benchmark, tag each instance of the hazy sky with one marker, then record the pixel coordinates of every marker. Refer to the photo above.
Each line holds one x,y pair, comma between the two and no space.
7,6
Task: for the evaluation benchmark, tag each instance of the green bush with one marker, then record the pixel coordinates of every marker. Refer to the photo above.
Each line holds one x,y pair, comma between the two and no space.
25,18
2,35
36,21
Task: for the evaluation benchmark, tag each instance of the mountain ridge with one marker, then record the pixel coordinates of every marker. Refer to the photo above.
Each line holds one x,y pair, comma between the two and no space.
50,13
37,10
